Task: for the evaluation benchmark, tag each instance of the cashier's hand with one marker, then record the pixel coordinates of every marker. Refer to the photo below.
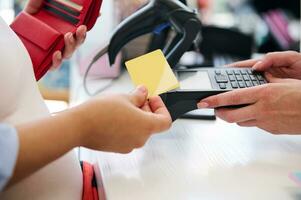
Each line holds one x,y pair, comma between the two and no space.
274,107
121,123
280,64
71,41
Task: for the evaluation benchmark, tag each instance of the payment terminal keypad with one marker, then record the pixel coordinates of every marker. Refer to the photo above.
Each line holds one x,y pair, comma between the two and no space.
228,79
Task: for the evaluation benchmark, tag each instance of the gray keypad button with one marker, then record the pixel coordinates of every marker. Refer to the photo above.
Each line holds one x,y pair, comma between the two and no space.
221,79
255,83
241,84
246,77
260,77
222,86
218,72
237,72
243,72
250,72
249,84
234,85
232,78
239,77
253,77
230,72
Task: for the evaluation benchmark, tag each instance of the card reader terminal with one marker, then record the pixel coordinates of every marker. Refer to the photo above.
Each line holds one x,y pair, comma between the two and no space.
197,84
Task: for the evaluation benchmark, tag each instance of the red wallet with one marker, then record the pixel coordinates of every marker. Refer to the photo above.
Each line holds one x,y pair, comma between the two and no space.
43,32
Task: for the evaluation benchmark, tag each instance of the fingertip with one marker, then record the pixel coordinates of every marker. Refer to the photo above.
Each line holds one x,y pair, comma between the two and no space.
268,75
58,55
82,29
258,66
81,33
56,59
218,111
156,103
33,7
203,105
139,96
226,114
68,35
69,45
243,64
142,89
69,39
270,78
209,102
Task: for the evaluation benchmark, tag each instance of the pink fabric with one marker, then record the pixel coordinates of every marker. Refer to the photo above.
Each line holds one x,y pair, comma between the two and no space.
101,68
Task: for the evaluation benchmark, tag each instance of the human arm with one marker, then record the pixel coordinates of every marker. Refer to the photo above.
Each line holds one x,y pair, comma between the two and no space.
116,123
71,41
274,107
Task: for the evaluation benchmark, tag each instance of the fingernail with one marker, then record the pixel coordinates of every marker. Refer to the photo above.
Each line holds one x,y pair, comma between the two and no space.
142,89
203,105
257,65
267,74
70,36
59,55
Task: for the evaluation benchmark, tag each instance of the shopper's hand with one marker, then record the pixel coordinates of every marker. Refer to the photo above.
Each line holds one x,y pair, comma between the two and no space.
117,123
274,107
121,123
279,64
71,41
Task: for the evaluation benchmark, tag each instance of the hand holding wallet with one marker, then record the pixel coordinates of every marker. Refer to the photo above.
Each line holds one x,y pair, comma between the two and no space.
43,33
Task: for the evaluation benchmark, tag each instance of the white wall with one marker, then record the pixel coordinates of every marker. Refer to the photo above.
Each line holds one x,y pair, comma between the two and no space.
102,31
6,10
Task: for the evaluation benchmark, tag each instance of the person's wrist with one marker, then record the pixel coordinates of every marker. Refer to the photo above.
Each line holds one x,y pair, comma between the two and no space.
84,118
74,118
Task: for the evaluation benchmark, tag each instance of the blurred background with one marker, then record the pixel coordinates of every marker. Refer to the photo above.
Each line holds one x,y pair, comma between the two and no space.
270,26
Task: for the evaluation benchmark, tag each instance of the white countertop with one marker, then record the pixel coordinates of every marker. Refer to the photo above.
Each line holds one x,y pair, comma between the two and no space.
198,160
205,160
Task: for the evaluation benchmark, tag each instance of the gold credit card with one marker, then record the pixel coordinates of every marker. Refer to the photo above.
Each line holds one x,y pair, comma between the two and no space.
71,4
153,71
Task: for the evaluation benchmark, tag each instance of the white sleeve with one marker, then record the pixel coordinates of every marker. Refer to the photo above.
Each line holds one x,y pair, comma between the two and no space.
9,146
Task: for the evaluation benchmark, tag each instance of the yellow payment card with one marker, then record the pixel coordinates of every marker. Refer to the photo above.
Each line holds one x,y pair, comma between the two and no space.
153,71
